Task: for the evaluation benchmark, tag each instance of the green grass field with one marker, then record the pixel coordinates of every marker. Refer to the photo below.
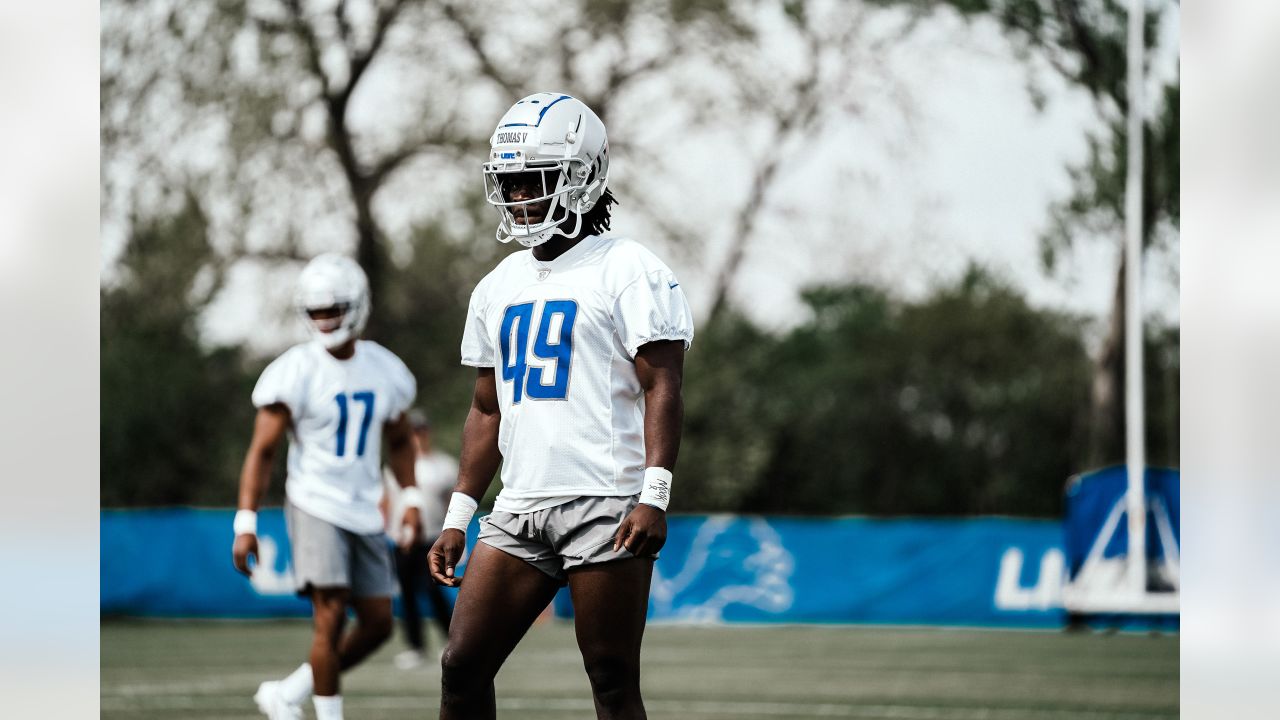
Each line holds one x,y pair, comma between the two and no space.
211,669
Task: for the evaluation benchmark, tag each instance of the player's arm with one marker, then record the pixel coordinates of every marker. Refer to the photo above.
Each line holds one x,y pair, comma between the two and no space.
269,428
660,369
479,461
400,458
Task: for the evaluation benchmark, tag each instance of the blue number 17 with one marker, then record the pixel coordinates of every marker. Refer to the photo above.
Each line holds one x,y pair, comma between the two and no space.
364,397
556,347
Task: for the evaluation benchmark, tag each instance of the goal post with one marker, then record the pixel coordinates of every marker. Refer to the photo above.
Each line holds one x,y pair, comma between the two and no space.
1100,581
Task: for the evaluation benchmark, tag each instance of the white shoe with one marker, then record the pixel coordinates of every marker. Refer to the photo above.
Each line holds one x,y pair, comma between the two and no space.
407,659
273,704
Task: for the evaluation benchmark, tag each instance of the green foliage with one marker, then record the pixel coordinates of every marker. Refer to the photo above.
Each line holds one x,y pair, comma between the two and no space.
172,413
967,401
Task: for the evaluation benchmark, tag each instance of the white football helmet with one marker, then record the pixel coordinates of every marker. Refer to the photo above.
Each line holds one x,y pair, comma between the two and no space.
562,139
333,280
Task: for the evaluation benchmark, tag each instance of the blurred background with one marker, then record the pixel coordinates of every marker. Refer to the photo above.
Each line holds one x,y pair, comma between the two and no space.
900,223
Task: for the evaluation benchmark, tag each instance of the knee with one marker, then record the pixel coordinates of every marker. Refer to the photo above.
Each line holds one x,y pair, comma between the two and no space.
379,626
460,671
613,678
328,622
455,665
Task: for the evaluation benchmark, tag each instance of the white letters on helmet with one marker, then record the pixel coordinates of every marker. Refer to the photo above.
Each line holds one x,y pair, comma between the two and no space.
560,136
327,281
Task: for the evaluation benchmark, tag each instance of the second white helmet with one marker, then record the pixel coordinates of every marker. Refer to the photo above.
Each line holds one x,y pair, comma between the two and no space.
333,281
560,138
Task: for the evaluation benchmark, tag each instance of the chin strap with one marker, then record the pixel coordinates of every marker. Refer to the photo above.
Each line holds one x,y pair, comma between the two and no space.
538,238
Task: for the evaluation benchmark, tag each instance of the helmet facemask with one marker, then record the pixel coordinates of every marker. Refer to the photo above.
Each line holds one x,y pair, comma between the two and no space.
563,184
332,331
325,324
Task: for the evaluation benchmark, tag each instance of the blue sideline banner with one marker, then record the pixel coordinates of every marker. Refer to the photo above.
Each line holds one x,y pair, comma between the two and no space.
989,572
1096,503
984,572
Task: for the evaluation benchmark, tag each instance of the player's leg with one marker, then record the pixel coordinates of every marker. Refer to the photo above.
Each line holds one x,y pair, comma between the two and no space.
610,602
500,597
410,616
371,586
373,627
329,616
321,570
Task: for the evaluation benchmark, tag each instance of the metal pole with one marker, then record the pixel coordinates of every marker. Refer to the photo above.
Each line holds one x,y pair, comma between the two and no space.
1135,421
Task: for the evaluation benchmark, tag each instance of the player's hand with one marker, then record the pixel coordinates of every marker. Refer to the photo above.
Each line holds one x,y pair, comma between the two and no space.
410,529
643,532
444,556
245,546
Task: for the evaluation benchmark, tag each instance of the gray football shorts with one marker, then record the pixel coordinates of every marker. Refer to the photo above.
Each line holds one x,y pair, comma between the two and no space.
327,556
560,538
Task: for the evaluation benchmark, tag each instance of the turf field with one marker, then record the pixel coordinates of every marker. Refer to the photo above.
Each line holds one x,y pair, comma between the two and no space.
210,670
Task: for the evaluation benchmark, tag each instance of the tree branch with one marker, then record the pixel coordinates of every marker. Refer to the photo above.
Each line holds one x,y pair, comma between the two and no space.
344,25
360,60
471,35
799,115
303,30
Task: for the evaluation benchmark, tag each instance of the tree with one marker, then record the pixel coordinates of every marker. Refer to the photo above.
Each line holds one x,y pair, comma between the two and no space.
303,124
263,86
1086,42
175,416
969,401
261,107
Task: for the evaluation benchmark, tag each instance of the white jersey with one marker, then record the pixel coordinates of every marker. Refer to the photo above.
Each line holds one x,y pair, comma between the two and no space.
562,337
435,473
337,409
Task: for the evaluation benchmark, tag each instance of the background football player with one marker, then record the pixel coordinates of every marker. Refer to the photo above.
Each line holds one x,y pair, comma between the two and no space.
436,472
336,397
579,344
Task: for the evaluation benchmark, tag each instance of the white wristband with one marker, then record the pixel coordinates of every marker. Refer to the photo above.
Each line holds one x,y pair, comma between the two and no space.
461,508
413,497
246,523
657,487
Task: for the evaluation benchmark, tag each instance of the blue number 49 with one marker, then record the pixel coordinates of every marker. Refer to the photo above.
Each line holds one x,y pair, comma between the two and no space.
552,347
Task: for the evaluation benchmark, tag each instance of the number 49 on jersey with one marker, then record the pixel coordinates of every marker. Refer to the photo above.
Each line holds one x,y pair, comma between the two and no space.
552,344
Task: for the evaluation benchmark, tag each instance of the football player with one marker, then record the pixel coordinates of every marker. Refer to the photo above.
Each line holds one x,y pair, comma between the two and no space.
579,346
336,397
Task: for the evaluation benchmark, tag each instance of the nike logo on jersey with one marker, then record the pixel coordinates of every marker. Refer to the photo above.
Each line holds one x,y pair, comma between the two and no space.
673,286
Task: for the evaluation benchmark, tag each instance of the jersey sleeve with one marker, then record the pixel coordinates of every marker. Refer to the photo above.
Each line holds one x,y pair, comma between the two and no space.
284,381
652,307
404,388
477,345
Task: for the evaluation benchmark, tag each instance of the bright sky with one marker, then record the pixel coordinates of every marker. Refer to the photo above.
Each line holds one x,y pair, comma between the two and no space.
980,171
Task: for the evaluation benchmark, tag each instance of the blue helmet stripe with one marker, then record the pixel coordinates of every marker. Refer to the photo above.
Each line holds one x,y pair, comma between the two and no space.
545,108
